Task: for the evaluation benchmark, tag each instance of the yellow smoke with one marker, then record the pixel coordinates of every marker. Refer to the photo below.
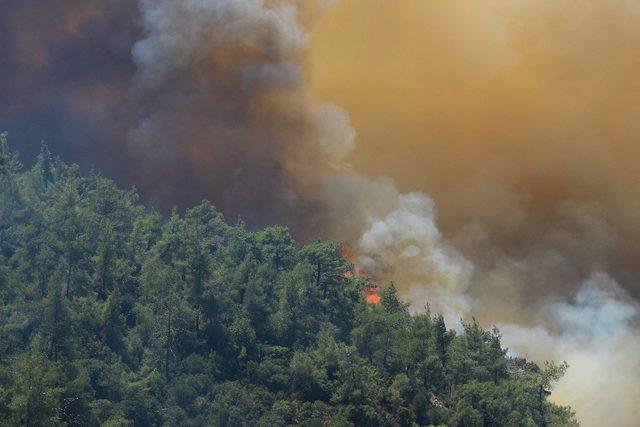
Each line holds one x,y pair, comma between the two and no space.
521,120
498,109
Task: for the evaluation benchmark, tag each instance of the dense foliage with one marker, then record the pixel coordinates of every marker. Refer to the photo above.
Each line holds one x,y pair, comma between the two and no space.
113,315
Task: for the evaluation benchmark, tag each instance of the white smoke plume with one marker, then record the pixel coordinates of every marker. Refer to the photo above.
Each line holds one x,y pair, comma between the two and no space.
406,246
181,34
597,331
598,334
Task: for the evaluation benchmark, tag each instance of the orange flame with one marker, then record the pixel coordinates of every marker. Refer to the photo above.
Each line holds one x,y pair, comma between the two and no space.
372,294
347,252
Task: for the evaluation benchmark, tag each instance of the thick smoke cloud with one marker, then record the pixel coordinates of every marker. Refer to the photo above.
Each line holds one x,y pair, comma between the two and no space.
65,67
186,100
407,246
221,103
223,111
518,118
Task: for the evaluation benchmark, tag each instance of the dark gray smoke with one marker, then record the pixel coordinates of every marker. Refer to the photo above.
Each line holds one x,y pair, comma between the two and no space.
186,100
65,68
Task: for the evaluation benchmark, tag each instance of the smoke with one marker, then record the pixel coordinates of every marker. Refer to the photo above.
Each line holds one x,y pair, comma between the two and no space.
407,246
64,72
518,118
186,100
597,333
223,109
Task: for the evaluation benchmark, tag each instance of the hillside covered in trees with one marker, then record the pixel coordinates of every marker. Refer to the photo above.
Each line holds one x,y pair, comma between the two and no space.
111,314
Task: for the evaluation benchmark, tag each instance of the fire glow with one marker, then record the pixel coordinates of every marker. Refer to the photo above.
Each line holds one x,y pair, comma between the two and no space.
372,293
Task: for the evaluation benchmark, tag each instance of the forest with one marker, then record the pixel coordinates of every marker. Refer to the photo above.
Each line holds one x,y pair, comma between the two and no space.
114,314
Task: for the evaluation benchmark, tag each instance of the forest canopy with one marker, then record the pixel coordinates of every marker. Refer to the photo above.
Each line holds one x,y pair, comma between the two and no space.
113,314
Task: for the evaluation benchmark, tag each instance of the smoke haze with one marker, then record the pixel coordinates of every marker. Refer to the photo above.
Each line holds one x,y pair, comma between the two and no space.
519,119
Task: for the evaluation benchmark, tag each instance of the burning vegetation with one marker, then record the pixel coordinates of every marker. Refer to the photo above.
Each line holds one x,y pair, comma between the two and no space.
372,291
